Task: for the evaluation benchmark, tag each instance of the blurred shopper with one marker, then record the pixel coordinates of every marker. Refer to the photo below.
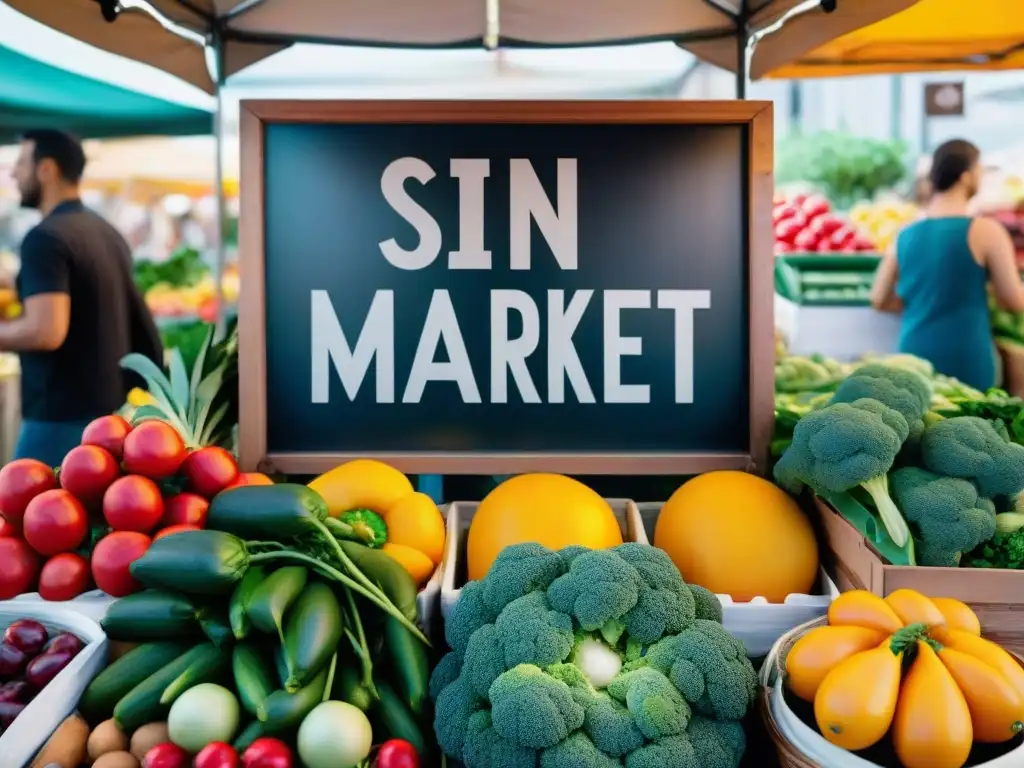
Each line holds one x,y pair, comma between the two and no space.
939,274
81,310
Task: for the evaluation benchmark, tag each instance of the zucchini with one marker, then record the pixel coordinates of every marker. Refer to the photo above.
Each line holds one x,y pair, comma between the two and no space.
214,623
282,710
98,702
207,667
275,512
410,667
383,570
208,562
141,704
311,634
396,719
253,731
152,614
348,687
238,606
254,676
275,595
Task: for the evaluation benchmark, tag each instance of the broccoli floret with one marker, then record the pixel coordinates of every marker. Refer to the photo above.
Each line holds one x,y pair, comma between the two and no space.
368,525
532,709
969,447
518,570
1005,550
577,751
656,706
484,660
610,726
709,667
444,673
904,392
455,705
846,445
469,613
571,552
949,517
532,633
675,751
665,605
485,748
717,743
706,603
599,587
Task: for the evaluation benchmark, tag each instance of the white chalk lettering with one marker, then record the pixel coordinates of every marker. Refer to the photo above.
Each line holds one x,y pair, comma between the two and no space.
440,326
392,186
529,202
376,340
683,304
510,354
471,253
617,346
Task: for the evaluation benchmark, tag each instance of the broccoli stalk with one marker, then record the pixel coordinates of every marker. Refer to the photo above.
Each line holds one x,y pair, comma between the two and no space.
892,519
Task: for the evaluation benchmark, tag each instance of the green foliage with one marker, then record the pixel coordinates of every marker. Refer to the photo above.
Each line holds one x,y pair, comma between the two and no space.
184,268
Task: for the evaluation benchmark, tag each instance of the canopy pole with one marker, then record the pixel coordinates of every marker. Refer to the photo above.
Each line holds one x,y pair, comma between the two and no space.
744,47
220,254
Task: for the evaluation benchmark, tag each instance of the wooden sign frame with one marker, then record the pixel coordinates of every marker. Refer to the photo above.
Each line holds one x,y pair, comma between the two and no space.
755,115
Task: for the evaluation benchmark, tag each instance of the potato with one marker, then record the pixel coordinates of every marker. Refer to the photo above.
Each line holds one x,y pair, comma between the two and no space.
106,737
116,760
147,737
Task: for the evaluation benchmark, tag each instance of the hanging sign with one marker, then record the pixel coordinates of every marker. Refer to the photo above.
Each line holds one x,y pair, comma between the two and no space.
487,287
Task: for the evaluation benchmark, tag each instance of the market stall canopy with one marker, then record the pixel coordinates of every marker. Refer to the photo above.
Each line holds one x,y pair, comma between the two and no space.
34,94
932,35
250,30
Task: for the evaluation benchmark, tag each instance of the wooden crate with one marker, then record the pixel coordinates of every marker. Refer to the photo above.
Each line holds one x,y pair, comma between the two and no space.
995,594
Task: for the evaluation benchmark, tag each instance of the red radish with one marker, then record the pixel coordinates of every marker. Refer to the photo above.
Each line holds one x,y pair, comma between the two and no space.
64,577
788,230
807,240
154,450
166,755
55,522
133,503
267,753
815,206
107,432
87,471
396,753
173,529
19,566
216,755
27,635
112,559
21,481
185,509
210,470
250,478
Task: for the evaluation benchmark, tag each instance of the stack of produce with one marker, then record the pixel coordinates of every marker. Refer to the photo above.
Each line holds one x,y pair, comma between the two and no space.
807,224
882,220
274,622
182,286
907,677
590,658
29,659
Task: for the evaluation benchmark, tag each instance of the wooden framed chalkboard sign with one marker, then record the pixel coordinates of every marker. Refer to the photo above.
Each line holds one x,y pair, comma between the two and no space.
502,287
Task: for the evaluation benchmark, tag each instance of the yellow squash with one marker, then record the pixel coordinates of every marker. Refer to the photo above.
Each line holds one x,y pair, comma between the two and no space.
819,651
997,709
914,608
958,615
860,608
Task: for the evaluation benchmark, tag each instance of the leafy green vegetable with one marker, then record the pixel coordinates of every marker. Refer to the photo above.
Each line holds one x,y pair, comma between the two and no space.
184,268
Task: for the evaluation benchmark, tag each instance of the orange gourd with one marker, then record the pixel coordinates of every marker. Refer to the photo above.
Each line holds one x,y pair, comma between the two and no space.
958,615
856,701
997,710
861,608
819,651
914,608
932,726
990,653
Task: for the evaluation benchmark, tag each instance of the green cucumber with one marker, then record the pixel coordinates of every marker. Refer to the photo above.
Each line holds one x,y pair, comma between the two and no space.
238,606
252,731
410,667
397,720
209,562
275,595
214,623
98,702
275,512
282,710
382,569
141,704
207,667
280,665
151,615
254,676
348,687
311,634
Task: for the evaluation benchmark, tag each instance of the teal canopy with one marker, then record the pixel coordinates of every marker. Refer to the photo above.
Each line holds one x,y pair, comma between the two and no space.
37,95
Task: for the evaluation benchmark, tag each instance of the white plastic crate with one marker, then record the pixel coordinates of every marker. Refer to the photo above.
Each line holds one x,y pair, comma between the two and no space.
428,600
92,604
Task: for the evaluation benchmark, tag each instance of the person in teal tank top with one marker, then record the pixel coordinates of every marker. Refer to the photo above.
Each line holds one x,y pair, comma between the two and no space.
939,274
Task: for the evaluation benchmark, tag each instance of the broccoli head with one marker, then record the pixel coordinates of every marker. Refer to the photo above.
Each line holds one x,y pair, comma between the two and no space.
706,603
946,512
905,392
533,709
532,633
577,751
484,748
469,613
656,706
518,570
717,743
600,587
676,751
970,448
665,605
845,445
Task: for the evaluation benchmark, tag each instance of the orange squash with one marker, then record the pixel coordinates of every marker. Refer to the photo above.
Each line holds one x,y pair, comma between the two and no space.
990,653
958,615
932,726
860,608
997,710
856,701
819,651
914,608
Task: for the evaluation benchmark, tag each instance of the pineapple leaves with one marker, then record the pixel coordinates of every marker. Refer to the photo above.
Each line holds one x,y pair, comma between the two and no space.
199,366
179,381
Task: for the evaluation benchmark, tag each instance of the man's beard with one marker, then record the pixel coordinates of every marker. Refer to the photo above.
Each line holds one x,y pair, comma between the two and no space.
31,197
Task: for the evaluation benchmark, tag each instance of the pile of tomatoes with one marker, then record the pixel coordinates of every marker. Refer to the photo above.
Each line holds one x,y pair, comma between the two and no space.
89,520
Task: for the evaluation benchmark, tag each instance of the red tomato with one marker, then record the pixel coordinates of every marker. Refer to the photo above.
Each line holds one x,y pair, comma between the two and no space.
216,755
55,522
210,470
396,753
173,529
154,450
267,753
133,503
21,481
87,471
7,528
63,577
185,509
108,432
112,559
166,755
19,566
250,478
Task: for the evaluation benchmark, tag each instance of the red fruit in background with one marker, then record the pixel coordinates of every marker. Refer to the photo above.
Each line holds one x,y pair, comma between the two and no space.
27,635
108,432
788,230
173,529
154,450
7,528
166,755
396,753
807,240
19,566
55,522
133,503
267,753
63,577
87,471
250,478
216,755
842,237
185,509
210,470
815,206
112,559
21,481
782,212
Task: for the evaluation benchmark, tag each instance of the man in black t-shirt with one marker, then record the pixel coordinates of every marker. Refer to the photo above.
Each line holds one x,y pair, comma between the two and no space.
81,310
